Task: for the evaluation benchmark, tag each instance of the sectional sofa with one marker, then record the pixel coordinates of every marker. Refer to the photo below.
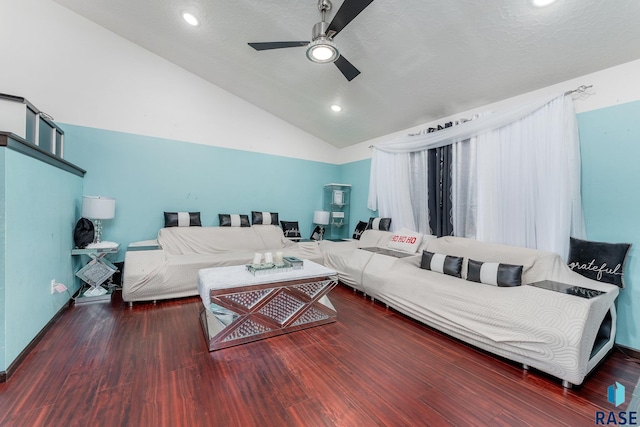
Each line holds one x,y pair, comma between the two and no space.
565,335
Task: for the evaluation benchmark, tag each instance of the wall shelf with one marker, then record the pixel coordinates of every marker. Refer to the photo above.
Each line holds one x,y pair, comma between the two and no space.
336,201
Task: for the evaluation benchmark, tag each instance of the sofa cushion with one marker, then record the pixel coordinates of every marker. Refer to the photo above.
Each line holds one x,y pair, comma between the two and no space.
233,220
264,218
490,252
359,229
405,240
599,261
441,263
493,273
383,224
182,219
212,240
371,238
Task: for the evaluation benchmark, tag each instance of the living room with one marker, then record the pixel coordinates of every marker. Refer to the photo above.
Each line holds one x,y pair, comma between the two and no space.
156,138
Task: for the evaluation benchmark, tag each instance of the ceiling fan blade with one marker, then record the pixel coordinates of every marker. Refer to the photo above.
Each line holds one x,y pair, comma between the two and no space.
346,68
347,12
276,45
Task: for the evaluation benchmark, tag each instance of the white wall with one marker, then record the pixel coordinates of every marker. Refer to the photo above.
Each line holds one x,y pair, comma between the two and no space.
82,74
612,86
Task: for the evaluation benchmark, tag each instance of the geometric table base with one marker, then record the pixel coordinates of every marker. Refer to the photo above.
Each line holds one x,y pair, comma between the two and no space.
96,272
244,314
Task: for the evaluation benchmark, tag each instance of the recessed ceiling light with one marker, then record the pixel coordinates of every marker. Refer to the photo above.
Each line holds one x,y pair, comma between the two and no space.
542,3
191,20
336,108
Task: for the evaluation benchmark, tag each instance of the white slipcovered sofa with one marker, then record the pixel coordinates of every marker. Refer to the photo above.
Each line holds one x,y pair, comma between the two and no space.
168,267
560,334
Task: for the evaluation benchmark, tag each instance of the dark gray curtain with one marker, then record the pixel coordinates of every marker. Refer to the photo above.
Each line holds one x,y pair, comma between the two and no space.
440,204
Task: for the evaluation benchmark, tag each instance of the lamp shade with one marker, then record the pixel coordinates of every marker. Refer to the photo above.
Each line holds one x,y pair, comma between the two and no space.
98,207
321,217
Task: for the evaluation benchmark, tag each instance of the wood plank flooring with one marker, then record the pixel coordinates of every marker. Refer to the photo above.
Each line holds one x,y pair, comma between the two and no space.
106,364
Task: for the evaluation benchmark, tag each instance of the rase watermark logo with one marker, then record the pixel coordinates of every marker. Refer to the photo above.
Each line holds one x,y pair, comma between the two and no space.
616,396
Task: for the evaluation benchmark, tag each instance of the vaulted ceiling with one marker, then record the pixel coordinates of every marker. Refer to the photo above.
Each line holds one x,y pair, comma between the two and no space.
420,60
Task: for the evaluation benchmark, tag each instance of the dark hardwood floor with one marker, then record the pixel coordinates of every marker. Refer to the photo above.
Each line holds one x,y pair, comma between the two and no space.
106,364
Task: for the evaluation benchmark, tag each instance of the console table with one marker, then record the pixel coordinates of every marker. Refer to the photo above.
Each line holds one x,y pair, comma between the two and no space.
240,307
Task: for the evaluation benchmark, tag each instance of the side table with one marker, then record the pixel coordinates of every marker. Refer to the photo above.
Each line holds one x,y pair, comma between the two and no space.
97,271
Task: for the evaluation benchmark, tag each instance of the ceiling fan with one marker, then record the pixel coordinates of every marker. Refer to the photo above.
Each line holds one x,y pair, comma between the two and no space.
321,48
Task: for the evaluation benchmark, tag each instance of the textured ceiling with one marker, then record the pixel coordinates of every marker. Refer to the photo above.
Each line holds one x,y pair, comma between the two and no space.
420,60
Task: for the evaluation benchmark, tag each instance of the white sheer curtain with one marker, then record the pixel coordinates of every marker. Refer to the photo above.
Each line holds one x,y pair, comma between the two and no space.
393,190
464,191
461,132
419,191
528,180
516,176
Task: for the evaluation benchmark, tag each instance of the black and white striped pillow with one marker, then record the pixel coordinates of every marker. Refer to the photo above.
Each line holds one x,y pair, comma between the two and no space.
182,219
493,273
446,264
383,224
264,218
233,220
359,230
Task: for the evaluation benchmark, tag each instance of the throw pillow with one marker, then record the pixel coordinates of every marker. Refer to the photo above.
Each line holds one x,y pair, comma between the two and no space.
182,219
445,264
382,224
233,220
291,229
405,240
317,233
359,230
493,273
599,261
264,218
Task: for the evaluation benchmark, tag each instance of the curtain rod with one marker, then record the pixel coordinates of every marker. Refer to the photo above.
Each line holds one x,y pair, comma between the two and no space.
579,89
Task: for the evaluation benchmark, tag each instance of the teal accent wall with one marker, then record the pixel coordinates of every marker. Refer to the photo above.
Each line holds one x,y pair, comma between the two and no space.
610,150
40,205
3,253
357,174
148,175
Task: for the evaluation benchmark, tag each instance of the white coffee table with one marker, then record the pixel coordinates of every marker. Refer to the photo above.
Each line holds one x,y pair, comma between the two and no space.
240,307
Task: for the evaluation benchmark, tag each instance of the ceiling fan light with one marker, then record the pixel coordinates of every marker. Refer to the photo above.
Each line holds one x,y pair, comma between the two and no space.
322,50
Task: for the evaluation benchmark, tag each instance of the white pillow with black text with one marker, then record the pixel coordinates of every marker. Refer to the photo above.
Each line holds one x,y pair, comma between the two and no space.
405,240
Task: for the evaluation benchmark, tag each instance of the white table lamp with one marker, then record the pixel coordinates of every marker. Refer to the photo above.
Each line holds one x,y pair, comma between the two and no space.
97,208
321,218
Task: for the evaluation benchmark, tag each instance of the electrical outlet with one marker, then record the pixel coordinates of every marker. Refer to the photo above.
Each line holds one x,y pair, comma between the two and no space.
53,286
